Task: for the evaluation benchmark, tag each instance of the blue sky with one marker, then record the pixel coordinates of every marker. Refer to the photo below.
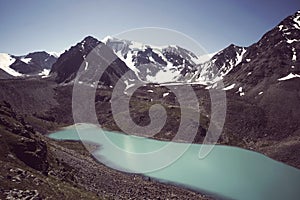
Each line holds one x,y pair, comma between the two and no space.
55,25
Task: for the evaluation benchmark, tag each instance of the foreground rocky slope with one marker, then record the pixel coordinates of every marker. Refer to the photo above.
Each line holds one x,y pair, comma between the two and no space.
35,167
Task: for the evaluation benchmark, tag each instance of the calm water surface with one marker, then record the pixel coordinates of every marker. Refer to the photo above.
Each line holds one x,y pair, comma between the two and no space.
227,172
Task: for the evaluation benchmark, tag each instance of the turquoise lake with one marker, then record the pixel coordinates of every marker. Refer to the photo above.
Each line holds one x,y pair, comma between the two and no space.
226,173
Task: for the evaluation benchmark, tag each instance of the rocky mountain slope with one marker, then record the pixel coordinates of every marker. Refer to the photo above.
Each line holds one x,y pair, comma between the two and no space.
265,87
36,63
219,65
268,75
68,64
272,58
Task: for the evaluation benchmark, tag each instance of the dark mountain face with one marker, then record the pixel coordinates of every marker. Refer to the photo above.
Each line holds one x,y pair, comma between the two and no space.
33,63
227,58
274,56
267,79
143,57
25,68
181,58
5,75
42,59
67,66
69,62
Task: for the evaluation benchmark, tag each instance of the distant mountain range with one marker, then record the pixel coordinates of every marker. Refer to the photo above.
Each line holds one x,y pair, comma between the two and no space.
173,63
37,63
154,63
277,51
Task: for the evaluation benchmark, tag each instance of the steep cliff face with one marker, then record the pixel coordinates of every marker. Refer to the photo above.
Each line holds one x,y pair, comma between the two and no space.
68,64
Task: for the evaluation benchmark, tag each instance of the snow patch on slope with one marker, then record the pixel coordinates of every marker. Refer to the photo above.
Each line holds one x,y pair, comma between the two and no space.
204,58
241,92
5,61
290,41
128,85
297,22
289,76
26,60
45,73
164,76
129,61
240,56
294,58
166,94
229,87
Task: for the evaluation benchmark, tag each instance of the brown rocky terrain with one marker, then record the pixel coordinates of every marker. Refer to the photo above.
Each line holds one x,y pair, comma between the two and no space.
36,167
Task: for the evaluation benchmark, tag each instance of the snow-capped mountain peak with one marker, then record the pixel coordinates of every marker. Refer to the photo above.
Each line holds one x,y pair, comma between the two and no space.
31,64
152,63
220,64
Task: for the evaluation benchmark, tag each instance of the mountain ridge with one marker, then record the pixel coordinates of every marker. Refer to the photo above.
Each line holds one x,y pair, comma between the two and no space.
32,64
68,64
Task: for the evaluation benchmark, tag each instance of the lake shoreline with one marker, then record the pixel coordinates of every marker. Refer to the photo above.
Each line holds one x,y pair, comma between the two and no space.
232,155
254,150
146,178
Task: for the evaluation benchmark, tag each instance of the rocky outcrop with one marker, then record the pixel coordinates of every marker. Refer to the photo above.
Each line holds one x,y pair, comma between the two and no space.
28,147
33,152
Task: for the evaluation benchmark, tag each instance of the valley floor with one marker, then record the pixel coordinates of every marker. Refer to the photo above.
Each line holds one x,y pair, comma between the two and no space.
65,169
